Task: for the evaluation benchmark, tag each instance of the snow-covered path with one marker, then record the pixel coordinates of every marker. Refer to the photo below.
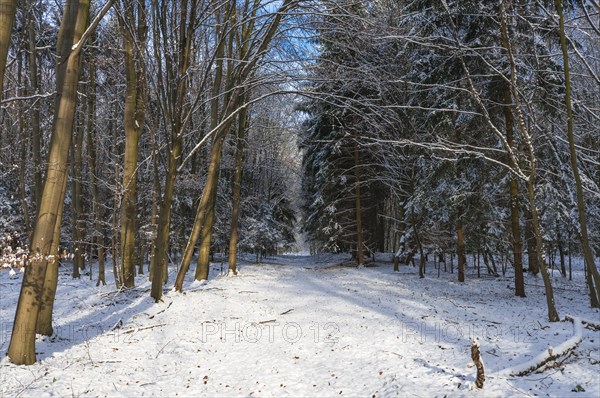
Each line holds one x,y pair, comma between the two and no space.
294,326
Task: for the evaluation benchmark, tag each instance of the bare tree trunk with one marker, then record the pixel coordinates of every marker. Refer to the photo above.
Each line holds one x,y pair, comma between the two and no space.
513,185
7,19
210,187
588,255
24,141
460,249
186,27
236,189
98,240
22,345
360,257
530,180
232,101
534,267
134,36
422,258
154,212
76,198
44,320
537,231
212,179
36,137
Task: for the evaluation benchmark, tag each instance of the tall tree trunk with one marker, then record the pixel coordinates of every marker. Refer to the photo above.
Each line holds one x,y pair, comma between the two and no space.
460,248
360,257
44,320
236,190
513,185
155,198
532,257
185,39
211,187
588,255
98,240
212,179
232,101
22,345
213,169
537,231
207,195
530,180
36,136
134,36
24,141
77,198
7,19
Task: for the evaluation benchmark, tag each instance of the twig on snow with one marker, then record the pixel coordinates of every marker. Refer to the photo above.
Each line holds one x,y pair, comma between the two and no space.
135,330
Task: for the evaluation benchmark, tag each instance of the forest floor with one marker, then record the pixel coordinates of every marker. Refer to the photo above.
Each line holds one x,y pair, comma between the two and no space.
306,326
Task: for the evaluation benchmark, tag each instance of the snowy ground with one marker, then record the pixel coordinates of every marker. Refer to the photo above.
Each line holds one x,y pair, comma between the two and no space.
300,326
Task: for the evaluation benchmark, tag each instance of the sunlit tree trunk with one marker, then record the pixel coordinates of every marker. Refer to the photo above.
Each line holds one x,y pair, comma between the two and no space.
213,167
23,153
212,178
236,191
232,101
7,19
44,321
134,115
98,240
186,29
77,200
22,345
36,136
154,211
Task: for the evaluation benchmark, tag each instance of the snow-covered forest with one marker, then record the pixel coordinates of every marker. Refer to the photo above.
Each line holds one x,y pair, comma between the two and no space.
299,198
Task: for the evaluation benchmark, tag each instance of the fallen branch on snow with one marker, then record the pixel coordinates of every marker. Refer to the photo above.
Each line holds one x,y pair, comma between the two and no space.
549,354
144,328
586,324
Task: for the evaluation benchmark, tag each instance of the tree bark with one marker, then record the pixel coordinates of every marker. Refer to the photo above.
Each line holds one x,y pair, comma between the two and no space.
212,178
460,249
7,18
186,37
98,239
236,189
513,184
76,199
210,188
36,137
134,37
23,157
360,257
22,345
588,255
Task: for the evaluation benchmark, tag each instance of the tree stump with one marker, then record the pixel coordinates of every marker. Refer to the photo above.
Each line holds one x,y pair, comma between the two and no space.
476,357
